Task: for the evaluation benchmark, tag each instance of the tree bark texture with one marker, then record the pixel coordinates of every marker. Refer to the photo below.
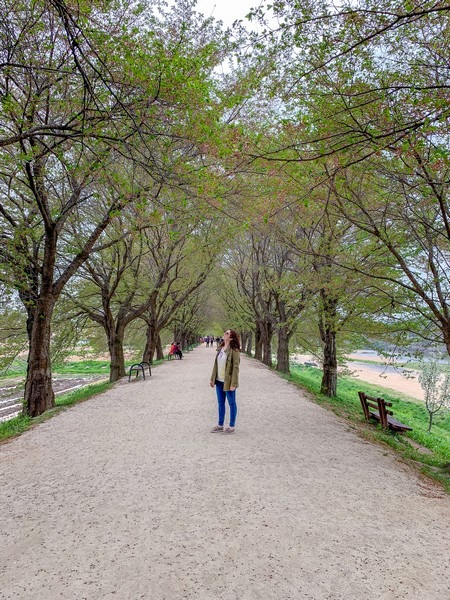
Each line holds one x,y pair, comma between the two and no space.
258,341
329,376
151,346
267,343
327,327
146,354
249,344
283,350
159,349
39,395
117,364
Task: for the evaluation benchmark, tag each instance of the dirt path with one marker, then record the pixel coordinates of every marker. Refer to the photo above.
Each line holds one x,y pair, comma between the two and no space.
128,496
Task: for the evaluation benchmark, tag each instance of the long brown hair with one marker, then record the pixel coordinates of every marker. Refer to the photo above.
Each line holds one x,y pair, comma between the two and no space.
235,342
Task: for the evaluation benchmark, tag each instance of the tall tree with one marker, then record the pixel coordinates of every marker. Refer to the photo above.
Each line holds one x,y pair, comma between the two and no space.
402,203
147,271
84,91
339,71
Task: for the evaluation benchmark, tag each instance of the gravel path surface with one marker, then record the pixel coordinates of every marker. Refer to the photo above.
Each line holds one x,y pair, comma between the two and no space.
129,496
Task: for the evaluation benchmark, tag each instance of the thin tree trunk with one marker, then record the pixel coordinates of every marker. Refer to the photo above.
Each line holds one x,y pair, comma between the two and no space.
146,356
329,376
159,349
244,336
248,348
258,341
327,327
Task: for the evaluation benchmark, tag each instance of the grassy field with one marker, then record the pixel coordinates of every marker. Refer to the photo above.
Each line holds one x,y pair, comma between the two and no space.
78,367
429,451
85,367
19,424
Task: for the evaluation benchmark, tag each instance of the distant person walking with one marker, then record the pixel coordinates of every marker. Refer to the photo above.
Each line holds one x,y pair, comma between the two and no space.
225,377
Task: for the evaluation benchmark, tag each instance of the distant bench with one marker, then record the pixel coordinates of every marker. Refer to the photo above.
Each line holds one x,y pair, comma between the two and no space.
376,408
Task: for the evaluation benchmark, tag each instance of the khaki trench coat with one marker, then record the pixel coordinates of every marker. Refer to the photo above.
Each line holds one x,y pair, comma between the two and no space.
231,370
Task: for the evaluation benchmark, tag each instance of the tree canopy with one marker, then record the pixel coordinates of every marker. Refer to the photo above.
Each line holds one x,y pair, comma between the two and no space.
148,156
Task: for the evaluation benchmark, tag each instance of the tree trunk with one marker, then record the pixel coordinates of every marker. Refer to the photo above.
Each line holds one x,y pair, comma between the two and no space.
267,344
39,395
117,363
244,336
146,357
446,335
248,348
258,341
151,345
283,350
327,326
159,349
329,376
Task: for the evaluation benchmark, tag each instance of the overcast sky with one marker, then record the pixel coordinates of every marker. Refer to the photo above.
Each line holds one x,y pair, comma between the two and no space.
226,10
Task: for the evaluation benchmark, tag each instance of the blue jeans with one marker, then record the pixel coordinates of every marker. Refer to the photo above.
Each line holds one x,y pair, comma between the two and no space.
231,397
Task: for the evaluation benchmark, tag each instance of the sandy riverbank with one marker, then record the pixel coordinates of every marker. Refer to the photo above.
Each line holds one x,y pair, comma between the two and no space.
389,378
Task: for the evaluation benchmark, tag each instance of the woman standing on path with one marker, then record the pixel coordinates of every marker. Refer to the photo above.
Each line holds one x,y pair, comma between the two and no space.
225,376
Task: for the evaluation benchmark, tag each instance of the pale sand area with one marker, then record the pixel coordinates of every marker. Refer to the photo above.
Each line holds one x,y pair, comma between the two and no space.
408,385
129,496
390,378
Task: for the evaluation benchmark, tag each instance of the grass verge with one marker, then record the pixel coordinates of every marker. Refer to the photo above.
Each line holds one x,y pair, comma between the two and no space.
430,452
83,367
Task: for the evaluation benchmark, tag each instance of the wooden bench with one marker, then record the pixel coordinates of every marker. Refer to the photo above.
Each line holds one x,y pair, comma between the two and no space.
377,408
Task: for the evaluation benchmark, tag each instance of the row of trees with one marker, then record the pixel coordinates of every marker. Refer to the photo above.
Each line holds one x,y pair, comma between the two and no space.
355,236
105,109
310,178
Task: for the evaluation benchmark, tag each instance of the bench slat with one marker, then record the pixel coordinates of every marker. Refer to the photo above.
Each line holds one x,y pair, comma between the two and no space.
394,424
